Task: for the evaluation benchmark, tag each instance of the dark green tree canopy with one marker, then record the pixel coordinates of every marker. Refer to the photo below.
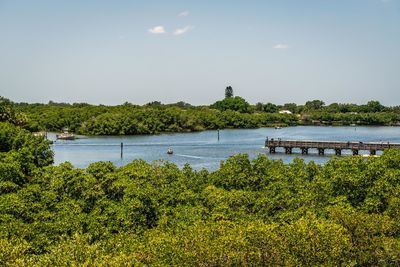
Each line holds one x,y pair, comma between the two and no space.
270,108
314,105
374,106
232,103
292,107
228,91
9,114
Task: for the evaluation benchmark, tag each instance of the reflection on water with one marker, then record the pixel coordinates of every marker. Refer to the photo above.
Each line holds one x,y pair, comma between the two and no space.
203,150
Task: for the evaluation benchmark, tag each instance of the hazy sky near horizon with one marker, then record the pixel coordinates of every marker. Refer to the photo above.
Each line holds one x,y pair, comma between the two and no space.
275,51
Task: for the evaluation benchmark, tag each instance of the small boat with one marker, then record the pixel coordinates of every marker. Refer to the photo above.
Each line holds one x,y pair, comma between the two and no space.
170,151
65,136
278,127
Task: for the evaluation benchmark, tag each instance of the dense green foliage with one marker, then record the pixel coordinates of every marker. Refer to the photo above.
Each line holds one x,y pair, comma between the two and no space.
155,117
21,154
248,212
149,119
9,114
232,103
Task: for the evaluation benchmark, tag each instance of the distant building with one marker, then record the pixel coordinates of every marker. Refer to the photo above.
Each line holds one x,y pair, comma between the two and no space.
285,112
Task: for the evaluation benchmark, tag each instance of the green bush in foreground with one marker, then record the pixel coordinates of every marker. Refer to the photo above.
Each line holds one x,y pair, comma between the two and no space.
247,213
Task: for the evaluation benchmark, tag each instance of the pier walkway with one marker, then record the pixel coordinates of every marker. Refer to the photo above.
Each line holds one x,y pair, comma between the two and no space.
337,146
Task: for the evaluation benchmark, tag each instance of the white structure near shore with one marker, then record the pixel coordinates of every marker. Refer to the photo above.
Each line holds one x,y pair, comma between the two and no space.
285,112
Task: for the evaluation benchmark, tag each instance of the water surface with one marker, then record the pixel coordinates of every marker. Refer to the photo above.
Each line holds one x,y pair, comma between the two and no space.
203,150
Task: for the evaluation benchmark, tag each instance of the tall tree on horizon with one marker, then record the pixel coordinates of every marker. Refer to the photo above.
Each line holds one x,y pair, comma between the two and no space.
228,91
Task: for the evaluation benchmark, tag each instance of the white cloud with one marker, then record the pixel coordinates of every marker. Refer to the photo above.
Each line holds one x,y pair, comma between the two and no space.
184,13
281,46
157,30
183,30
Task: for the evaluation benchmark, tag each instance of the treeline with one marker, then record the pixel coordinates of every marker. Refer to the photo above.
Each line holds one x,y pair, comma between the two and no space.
152,118
258,212
320,106
231,112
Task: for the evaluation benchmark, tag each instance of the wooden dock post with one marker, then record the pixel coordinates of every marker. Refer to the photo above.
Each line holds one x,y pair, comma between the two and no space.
218,134
288,150
122,150
304,150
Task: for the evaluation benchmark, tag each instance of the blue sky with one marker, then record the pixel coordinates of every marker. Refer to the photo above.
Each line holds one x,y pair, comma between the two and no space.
140,51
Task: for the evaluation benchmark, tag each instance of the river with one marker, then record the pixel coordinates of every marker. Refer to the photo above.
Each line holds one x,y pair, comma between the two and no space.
203,150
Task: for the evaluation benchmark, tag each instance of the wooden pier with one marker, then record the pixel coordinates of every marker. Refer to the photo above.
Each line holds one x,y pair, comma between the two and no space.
321,146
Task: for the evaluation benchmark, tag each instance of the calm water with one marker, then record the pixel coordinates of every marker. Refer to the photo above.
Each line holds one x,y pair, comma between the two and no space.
203,150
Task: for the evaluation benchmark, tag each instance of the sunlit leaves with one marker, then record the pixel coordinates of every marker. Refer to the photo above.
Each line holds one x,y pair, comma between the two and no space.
253,212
